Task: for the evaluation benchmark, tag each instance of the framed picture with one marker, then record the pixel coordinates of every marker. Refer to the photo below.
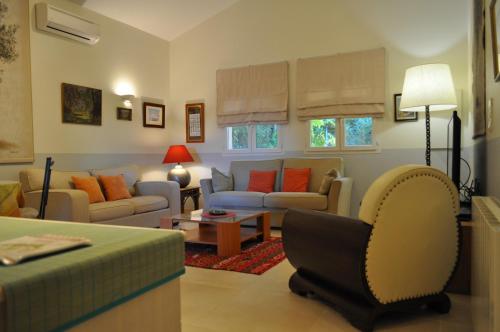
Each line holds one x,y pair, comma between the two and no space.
81,105
495,34
153,115
195,123
124,114
402,116
16,116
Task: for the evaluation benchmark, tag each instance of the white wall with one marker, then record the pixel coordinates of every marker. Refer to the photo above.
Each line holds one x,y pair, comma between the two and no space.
262,31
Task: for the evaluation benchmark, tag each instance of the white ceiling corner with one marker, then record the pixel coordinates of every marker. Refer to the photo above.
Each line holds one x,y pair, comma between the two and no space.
166,19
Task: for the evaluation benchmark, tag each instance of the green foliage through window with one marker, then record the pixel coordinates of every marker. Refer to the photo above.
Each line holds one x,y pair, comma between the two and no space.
266,136
323,133
239,138
358,131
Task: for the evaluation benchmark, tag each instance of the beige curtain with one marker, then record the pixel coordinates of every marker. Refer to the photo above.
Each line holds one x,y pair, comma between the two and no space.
342,85
252,94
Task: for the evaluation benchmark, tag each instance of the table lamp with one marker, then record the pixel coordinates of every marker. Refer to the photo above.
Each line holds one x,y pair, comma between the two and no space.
178,154
428,88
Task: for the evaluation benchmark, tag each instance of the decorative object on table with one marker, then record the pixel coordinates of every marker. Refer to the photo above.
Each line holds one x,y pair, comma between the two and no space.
153,115
45,189
217,212
400,116
190,192
17,250
195,123
428,88
81,105
225,215
375,273
16,116
255,258
178,154
123,113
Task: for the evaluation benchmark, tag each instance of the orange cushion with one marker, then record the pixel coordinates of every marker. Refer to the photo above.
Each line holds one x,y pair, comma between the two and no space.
115,187
296,179
262,181
90,186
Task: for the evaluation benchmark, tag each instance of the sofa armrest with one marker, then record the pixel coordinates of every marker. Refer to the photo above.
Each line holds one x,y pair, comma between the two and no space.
339,197
168,189
62,204
206,189
328,248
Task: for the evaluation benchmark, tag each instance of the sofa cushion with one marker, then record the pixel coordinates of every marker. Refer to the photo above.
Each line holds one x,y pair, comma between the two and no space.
235,199
32,179
310,201
131,174
115,187
319,166
241,171
221,181
110,210
262,181
296,179
90,185
144,204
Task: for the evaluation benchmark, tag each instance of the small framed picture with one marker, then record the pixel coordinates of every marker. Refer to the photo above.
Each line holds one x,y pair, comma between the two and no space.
402,116
153,115
124,114
195,123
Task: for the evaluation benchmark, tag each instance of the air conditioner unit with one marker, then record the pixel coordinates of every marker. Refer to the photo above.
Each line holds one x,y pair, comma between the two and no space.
61,22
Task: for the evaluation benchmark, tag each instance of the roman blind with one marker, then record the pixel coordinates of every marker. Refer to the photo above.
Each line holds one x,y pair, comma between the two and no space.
252,94
341,85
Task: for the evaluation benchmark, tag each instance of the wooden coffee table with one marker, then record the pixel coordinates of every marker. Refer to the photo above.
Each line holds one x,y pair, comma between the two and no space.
226,233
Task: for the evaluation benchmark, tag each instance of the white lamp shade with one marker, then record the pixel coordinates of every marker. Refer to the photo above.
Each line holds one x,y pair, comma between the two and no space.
428,85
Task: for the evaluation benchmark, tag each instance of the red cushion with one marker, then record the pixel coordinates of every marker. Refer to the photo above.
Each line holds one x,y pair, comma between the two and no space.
296,179
262,181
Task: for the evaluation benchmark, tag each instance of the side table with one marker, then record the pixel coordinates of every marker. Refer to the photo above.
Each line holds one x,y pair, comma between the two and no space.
193,193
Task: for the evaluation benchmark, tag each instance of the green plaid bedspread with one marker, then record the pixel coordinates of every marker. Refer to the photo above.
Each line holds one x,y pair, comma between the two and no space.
56,292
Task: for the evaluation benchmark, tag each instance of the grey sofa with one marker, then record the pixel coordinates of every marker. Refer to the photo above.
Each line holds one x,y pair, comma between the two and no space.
337,201
150,200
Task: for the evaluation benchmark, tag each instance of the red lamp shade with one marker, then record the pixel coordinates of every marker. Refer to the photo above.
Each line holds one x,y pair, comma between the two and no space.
177,154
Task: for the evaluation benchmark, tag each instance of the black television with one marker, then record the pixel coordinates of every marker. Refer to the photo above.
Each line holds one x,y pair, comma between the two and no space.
454,141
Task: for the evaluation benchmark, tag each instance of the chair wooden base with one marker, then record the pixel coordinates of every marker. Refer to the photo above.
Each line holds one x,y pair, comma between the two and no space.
360,313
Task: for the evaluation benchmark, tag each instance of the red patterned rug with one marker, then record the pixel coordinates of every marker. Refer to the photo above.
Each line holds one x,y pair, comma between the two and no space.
255,257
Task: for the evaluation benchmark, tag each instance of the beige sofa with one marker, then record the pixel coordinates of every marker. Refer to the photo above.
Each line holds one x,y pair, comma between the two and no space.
337,201
150,200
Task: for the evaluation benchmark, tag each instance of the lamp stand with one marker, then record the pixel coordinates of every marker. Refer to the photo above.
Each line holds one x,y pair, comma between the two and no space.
179,175
427,136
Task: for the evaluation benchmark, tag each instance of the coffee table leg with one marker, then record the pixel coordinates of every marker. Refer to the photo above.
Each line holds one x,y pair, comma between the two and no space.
228,239
264,225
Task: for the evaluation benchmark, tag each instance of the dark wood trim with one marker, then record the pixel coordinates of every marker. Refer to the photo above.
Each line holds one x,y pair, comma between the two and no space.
201,139
144,106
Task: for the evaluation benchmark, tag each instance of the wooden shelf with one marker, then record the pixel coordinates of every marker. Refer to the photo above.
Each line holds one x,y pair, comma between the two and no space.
207,234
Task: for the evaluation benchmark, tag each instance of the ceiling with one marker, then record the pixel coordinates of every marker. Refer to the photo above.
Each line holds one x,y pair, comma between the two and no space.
166,19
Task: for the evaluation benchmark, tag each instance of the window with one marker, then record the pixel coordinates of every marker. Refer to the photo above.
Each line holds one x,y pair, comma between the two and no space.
255,138
341,134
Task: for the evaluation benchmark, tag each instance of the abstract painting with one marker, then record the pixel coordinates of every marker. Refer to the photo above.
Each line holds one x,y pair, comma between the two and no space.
81,105
16,117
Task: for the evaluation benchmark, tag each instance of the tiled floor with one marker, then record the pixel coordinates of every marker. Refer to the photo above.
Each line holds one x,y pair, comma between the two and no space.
237,302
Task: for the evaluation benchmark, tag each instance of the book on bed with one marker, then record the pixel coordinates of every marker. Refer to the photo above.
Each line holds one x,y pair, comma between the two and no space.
19,249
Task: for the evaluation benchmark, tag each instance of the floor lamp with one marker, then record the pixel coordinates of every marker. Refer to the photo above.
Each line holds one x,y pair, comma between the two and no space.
428,88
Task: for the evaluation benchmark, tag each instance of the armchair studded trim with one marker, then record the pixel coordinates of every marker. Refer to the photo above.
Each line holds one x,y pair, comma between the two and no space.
398,256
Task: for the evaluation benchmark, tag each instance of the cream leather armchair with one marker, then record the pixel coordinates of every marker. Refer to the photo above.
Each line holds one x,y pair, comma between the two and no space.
399,255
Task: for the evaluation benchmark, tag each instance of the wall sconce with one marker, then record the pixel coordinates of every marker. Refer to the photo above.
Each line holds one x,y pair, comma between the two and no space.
127,100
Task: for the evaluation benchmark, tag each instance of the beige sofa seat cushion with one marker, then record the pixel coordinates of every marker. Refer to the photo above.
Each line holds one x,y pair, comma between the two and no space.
131,174
240,169
285,200
235,199
32,179
319,167
144,204
110,210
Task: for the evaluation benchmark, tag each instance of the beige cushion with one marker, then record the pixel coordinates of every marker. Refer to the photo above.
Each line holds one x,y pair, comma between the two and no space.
144,204
221,181
240,170
235,199
110,210
32,179
413,246
131,174
318,166
285,200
